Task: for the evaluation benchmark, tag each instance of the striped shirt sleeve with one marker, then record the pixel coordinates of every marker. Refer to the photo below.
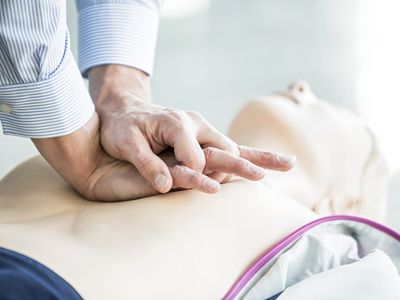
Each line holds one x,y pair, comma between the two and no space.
118,32
42,93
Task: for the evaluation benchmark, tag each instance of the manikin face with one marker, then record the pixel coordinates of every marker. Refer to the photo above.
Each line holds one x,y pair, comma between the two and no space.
337,155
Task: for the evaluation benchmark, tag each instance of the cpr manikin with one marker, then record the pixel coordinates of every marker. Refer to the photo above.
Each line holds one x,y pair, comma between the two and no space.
191,245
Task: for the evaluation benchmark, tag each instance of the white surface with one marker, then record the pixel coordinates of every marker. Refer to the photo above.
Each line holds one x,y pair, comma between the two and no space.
372,277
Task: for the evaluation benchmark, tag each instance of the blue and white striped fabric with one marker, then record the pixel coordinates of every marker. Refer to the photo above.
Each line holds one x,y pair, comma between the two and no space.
120,32
42,93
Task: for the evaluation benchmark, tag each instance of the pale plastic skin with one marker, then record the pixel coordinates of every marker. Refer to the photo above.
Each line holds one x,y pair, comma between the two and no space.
191,245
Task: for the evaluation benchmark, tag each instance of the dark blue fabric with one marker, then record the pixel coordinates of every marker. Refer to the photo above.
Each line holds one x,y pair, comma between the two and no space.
24,278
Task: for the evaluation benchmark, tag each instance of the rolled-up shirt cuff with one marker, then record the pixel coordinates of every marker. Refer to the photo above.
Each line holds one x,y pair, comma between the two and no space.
117,33
53,107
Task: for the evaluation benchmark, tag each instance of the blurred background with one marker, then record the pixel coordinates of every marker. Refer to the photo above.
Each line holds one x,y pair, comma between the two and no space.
213,55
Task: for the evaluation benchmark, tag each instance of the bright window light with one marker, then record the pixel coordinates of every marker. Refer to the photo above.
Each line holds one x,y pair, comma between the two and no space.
378,87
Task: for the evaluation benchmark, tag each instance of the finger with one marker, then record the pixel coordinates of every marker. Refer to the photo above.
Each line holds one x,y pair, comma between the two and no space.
227,178
220,177
268,160
188,151
222,161
149,165
210,137
217,176
185,177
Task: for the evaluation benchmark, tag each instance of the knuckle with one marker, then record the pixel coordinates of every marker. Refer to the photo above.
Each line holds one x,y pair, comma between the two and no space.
239,164
176,125
233,150
176,171
209,153
178,115
232,147
268,155
148,166
163,118
236,151
195,115
197,163
126,141
194,179
179,169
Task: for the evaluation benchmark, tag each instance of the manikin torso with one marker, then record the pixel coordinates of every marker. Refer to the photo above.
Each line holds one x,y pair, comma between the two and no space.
187,244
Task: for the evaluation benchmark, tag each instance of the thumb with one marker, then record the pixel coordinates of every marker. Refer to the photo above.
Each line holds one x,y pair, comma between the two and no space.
149,165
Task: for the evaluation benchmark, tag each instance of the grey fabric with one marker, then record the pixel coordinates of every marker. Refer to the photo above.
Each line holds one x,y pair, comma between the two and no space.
340,258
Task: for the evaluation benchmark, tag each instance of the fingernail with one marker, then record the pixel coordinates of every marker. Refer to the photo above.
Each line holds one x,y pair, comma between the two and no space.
211,184
160,181
256,170
286,158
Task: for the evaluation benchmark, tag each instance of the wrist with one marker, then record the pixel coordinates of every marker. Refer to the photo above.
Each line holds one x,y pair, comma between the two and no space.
74,156
118,85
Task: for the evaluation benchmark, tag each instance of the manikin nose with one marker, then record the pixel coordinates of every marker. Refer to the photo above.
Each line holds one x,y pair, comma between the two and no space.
301,92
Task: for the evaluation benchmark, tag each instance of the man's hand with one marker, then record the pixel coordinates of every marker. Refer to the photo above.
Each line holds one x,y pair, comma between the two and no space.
80,160
134,130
